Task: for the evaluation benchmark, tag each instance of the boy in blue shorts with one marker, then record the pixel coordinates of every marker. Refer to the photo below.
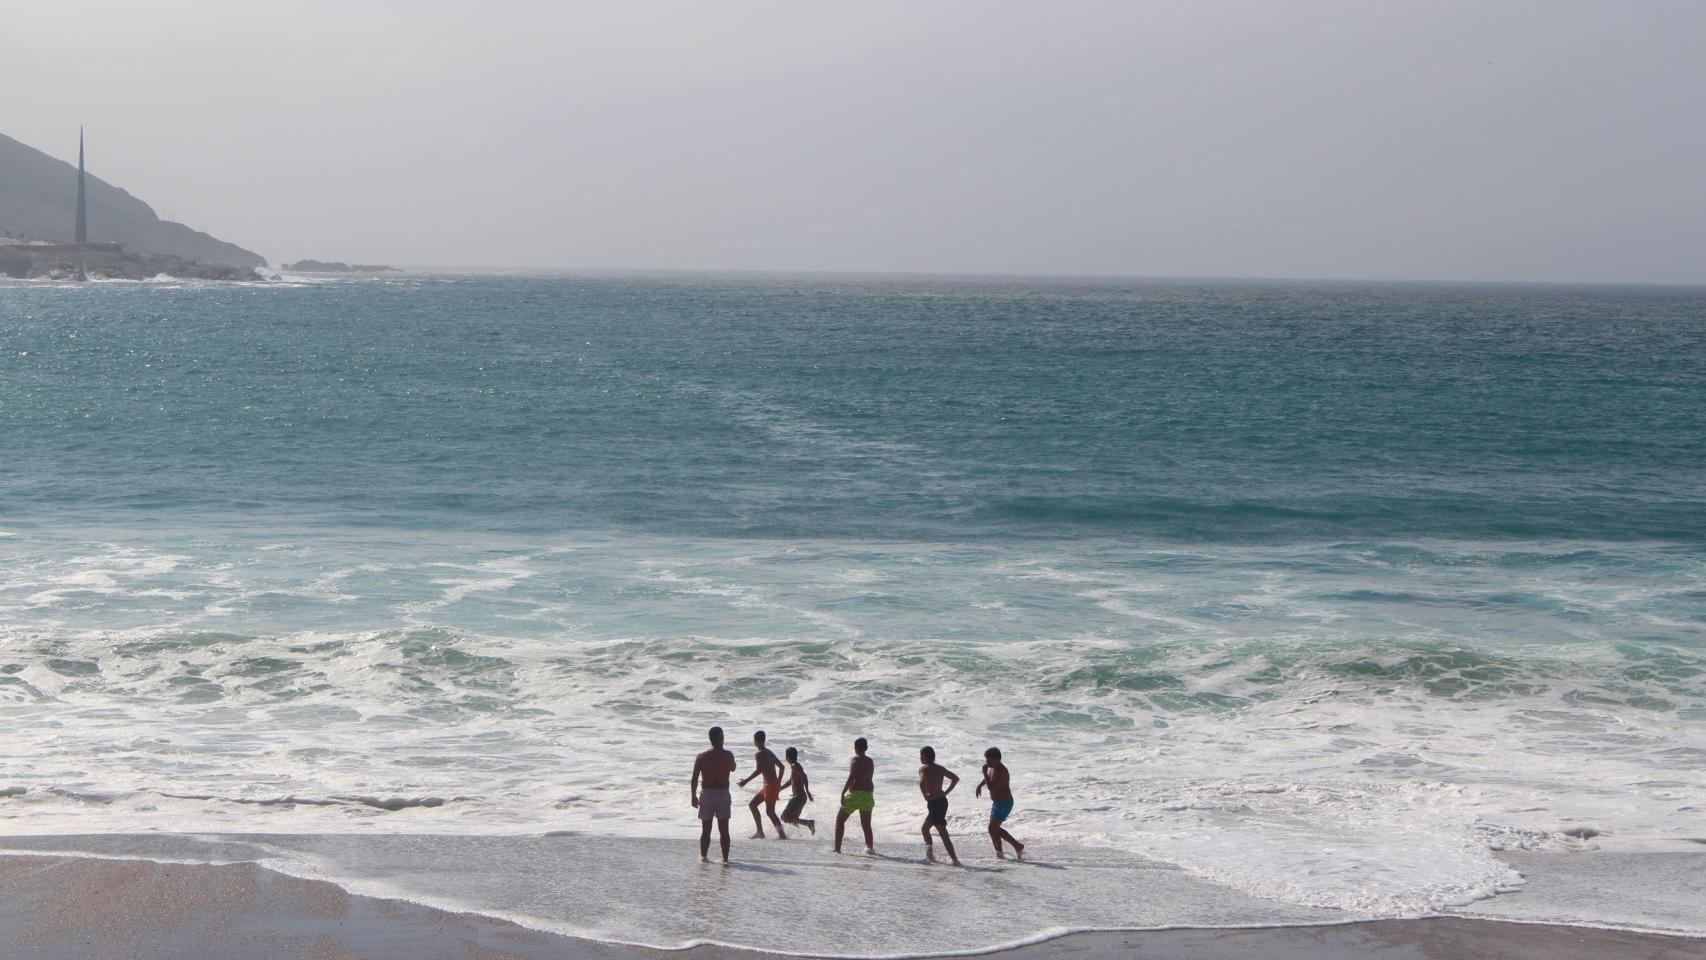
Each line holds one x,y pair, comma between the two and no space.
996,778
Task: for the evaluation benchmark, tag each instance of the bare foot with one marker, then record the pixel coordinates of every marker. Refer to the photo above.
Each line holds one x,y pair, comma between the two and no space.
954,860
1019,850
929,854
1000,856
870,851
757,836
812,827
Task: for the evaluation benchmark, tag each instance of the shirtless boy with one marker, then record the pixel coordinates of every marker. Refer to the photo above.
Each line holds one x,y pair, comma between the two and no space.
995,777
930,777
713,768
858,794
802,792
770,768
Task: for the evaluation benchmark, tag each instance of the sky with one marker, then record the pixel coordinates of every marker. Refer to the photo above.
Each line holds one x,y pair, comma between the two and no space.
1363,139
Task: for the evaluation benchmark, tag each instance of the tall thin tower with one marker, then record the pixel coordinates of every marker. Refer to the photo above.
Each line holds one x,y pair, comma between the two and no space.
82,211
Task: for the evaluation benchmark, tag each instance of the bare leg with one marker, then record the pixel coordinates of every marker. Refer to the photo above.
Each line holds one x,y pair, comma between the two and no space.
929,848
865,825
840,827
810,825
705,839
947,844
723,832
1018,848
770,808
757,821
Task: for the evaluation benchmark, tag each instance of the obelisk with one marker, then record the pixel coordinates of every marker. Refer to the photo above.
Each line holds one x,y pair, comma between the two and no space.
82,211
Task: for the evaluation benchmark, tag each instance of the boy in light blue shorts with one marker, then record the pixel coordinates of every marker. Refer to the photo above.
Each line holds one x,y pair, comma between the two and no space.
999,782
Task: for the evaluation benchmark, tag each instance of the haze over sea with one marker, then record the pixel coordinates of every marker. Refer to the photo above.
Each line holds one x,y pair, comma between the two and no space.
1325,592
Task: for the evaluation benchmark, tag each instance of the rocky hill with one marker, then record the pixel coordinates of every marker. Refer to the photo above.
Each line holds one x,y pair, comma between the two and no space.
105,262
38,200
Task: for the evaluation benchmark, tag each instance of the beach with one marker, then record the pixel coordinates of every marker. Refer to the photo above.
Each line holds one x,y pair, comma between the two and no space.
410,896
61,906
1193,481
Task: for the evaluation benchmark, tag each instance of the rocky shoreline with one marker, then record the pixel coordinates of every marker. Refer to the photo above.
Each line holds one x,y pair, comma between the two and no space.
108,262
337,266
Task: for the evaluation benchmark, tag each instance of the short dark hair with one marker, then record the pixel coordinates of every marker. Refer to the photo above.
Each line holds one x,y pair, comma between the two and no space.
928,753
716,736
791,753
759,736
993,754
859,745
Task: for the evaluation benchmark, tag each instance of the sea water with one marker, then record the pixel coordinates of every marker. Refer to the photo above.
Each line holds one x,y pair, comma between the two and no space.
1326,594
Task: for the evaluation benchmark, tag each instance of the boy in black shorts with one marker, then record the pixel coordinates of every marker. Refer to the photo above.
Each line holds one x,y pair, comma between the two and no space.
930,783
802,792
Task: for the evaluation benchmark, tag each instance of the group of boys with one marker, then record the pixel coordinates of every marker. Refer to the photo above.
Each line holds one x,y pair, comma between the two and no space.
709,790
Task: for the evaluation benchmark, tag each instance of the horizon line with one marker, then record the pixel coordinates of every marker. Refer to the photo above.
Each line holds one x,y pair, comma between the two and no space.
982,275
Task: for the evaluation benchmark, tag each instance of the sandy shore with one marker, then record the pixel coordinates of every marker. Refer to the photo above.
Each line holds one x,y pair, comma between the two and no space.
54,907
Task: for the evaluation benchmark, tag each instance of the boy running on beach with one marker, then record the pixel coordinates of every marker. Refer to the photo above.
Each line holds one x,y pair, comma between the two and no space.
802,792
858,794
713,767
995,777
770,768
930,777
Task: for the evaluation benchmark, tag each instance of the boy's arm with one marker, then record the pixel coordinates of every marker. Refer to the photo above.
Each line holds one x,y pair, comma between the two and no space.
953,780
982,783
693,787
845,784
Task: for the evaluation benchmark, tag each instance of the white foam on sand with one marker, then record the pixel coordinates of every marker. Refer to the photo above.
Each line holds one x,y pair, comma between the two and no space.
798,898
791,897
1646,890
285,683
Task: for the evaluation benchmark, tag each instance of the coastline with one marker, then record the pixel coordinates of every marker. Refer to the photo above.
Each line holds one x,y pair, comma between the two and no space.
70,261
215,896
58,906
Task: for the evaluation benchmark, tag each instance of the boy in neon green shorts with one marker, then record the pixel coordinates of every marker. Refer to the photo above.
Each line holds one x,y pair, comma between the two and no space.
858,795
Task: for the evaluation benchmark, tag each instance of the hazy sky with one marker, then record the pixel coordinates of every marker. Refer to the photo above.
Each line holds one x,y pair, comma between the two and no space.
1492,139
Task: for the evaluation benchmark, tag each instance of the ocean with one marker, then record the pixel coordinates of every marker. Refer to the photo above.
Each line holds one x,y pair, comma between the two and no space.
1329,595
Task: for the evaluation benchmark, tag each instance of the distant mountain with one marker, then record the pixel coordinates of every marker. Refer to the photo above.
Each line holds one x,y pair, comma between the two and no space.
38,200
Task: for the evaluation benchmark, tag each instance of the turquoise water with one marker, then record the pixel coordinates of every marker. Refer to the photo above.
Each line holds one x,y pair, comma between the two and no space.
1323,591
887,409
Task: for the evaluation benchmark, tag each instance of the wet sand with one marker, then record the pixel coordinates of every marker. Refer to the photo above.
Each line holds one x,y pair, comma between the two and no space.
56,907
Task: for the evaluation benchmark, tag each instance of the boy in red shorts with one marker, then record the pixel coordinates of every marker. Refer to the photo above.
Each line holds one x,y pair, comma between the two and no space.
770,768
